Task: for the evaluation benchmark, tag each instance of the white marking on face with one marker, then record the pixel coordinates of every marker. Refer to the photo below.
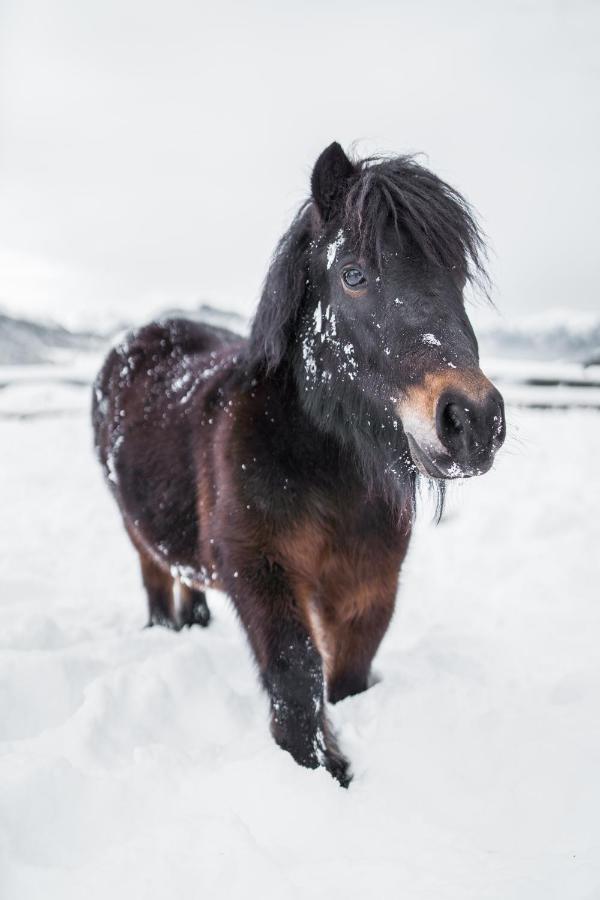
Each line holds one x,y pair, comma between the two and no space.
421,427
431,340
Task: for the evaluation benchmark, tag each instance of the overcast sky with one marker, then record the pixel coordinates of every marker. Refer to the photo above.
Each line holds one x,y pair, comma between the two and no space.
152,153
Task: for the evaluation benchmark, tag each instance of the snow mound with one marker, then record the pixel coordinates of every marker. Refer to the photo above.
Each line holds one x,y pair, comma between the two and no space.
138,763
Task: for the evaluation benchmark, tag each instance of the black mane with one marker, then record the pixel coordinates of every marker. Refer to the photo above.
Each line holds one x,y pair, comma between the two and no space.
422,208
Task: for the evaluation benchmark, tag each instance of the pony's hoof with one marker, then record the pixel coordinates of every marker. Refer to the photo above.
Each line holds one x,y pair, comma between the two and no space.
199,614
339,768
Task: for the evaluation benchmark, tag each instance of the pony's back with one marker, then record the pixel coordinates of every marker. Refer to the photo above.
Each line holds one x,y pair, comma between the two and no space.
159,347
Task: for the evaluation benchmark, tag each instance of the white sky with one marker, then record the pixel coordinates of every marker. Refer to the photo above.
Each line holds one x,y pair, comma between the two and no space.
152,153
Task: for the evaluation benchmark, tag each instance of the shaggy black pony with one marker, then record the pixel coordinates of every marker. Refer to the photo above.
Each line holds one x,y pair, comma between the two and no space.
282,469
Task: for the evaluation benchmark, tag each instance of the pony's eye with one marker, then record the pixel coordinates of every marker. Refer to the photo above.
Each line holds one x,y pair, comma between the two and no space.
353,277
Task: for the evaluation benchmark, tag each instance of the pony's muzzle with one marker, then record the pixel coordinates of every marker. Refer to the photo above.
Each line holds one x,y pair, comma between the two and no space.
454,423
471,430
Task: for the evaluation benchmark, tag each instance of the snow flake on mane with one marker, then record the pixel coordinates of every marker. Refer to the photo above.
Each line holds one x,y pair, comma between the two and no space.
334,246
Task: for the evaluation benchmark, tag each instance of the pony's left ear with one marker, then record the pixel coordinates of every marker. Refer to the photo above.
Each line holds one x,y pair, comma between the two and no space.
329,180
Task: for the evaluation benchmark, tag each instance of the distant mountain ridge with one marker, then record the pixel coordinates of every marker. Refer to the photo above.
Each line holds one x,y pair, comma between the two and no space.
552,338
29,342
25,342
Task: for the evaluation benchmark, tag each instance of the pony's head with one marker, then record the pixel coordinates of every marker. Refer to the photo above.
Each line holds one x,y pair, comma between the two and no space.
364,304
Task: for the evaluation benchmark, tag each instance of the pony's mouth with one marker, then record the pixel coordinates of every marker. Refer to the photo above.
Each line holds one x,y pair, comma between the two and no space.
440,468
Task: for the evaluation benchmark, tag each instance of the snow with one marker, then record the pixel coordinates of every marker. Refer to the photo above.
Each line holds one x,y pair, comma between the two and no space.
138,763
334,246
318,318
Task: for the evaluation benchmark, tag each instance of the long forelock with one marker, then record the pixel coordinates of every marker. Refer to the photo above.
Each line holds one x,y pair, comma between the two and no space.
440,222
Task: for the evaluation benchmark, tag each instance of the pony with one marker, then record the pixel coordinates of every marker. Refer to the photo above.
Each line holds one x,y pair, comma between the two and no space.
282,468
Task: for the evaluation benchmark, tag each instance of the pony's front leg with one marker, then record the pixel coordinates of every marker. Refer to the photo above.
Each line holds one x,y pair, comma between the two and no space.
290,665
355,643
294,681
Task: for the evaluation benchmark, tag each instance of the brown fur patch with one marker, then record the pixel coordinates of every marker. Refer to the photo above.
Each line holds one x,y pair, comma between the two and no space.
345,589
422,398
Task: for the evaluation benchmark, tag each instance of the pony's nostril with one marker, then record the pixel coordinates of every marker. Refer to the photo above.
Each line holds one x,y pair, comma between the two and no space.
451,425
451,419
499,422
470,429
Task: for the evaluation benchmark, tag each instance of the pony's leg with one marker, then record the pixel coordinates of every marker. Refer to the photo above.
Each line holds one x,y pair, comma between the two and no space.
355,643
193,608
159,588
290,665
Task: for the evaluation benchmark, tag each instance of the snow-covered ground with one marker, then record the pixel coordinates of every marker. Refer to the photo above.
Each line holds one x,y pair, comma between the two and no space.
138,764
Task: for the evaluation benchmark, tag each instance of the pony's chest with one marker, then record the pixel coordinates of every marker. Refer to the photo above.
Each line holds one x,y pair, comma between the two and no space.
334,541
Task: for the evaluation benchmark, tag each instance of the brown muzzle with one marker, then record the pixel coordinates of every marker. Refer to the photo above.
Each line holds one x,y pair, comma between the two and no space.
454,423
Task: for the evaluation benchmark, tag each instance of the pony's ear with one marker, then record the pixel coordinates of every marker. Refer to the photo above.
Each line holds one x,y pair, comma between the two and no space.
329,180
